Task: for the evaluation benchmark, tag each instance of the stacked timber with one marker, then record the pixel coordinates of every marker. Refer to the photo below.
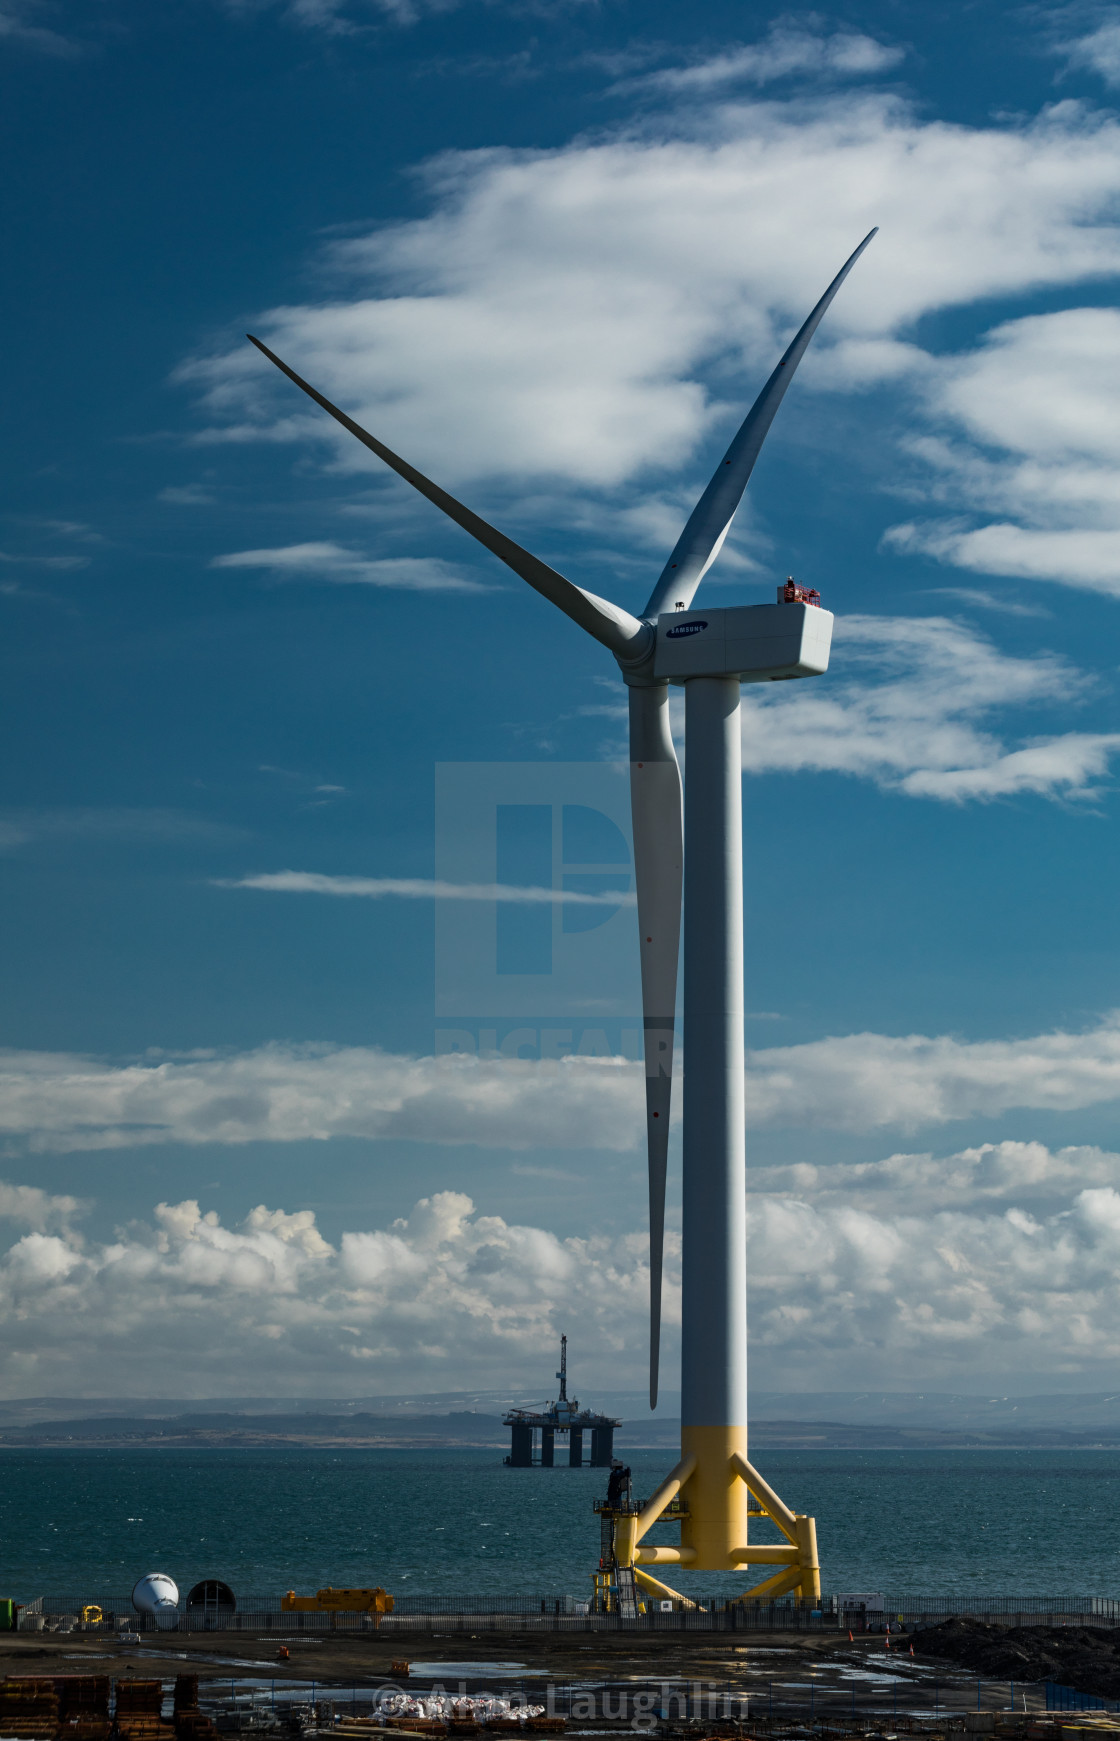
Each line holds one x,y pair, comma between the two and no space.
190,1723
83,1707
140,1712
28,1708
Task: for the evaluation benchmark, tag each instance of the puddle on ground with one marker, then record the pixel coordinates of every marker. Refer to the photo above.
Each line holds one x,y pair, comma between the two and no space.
252,1687
436,1671
867,1674
198,1656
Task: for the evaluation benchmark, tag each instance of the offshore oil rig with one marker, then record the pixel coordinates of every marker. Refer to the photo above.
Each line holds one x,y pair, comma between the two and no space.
561,1416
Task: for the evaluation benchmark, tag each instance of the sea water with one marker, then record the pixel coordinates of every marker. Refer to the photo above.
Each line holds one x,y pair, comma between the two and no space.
950,1523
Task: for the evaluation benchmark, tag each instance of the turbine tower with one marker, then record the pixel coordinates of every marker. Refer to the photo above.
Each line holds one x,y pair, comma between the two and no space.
710,653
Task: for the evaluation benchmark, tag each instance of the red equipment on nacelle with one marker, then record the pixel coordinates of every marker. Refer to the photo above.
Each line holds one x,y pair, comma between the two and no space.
792,594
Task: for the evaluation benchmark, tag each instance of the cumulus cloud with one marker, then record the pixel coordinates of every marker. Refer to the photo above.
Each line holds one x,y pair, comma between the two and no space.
418,889
910,704
283,1093
333,562
994,1259
950,1292
986,1176
31,1207
445,1291
528,327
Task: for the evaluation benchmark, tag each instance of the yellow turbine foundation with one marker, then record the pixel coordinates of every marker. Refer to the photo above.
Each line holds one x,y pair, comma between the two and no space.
716,1497
716,1482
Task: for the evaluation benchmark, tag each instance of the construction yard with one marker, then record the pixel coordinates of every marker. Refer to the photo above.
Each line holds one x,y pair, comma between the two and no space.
190,1687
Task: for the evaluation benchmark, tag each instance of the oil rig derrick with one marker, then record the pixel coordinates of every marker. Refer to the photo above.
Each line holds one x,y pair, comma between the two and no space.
533,1432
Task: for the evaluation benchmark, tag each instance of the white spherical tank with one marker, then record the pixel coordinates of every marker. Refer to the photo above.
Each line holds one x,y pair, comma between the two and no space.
158,1595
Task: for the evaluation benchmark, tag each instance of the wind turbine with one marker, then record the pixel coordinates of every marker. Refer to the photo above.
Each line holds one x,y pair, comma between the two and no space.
711,654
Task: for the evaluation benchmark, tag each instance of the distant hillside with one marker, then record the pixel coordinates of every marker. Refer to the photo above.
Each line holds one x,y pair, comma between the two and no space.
466,1429
416,1432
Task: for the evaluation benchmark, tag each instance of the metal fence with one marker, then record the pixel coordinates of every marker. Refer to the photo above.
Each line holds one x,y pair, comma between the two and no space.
552,1613
1059,1698
1101,1609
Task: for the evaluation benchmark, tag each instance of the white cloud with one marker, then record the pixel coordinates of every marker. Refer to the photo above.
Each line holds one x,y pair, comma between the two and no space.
284,1093
333,562
918,705
445,1292
839,1291
58,563
417,889
909,703
1044,386
1072,556
1031,435
78,529
1002,1260
529,328
865,1081
34,1208
1099,51
113,823
187,496
985,1176
332,17
294,1093
354,17
17,26
787,50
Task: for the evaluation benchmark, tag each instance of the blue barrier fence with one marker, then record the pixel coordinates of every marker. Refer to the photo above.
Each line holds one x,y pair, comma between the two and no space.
1059,1698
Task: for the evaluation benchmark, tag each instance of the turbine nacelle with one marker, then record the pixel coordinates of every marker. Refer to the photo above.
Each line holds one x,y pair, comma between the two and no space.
756,643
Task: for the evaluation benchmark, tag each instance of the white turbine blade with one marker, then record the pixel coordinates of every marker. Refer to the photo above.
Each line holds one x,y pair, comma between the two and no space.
655,802
700,542
616,629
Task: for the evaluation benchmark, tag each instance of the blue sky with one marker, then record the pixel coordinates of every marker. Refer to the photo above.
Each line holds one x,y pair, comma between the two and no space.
549,252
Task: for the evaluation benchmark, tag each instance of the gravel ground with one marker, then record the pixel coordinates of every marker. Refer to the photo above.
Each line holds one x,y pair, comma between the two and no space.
1084,1657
